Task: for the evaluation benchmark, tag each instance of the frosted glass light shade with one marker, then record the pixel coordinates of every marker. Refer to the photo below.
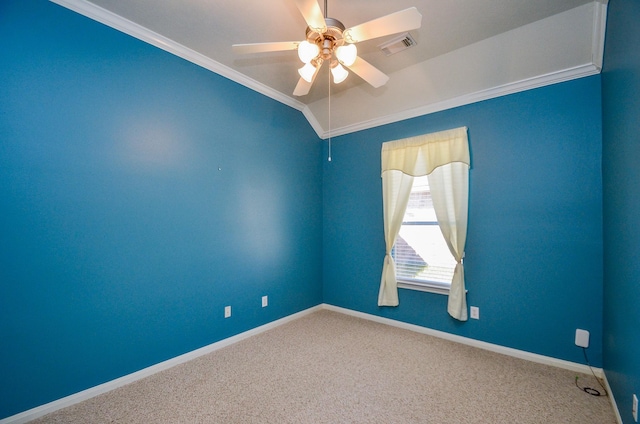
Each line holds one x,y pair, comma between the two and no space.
307,51
307,72
347,54
339,73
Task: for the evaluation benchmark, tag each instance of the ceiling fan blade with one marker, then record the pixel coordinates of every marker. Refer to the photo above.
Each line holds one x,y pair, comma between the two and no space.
303,86
369,73
265,47
404,20
312,14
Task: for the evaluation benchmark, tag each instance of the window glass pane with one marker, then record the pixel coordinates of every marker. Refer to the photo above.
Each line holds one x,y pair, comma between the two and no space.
421,252
420,206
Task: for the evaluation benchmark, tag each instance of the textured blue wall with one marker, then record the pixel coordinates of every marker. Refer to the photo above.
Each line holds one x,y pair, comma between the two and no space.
121,240
534,246
621,178
139,194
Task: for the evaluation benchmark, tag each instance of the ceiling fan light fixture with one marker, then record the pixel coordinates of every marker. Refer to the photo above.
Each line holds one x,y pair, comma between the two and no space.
347,54
326,39
339,73
307,72
307,51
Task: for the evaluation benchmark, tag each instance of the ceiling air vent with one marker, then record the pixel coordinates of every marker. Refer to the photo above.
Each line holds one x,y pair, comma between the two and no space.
397,44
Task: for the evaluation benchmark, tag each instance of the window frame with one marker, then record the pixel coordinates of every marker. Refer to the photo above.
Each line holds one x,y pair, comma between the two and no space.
444,156
436,287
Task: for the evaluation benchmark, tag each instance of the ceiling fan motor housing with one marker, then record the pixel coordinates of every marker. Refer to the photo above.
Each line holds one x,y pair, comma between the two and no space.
328,40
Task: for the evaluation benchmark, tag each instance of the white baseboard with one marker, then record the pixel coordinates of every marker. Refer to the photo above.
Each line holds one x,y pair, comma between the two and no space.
533,357
64,402
47,408
612,399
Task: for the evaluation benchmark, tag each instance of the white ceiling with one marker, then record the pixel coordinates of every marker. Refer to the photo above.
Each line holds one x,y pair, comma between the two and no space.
468,50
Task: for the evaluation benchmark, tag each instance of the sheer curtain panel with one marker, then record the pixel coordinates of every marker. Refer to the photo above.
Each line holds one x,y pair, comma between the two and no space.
444,157
396,187
450,193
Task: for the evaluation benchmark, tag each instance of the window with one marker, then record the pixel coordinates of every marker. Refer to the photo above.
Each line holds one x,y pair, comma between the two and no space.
444,158
423,260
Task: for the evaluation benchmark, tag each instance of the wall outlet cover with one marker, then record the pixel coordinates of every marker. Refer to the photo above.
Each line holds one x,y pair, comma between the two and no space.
582,338
265,301
474,311
227,311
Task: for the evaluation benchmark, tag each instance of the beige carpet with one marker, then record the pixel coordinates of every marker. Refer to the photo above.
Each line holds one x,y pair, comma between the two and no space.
332,368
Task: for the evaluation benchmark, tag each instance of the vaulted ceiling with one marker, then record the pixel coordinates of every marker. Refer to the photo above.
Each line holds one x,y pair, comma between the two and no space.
466,51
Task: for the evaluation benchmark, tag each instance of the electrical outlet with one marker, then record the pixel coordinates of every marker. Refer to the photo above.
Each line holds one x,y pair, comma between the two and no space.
582,338
227,311
265,301
634,408
475,312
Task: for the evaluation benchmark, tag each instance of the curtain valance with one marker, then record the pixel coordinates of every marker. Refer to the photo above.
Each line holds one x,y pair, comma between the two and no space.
420,155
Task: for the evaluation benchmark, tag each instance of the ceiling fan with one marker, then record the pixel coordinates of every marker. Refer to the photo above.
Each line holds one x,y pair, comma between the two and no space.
327,40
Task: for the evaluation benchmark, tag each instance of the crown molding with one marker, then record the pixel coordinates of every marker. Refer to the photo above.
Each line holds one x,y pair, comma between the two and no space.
313,121
490,93
584,70
128,27
599,29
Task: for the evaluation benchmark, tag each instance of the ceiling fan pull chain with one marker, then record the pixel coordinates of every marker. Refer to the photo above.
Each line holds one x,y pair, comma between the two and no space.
329,158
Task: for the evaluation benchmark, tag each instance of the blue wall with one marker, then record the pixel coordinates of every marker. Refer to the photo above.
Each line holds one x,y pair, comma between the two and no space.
534,248
621,178
139,195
